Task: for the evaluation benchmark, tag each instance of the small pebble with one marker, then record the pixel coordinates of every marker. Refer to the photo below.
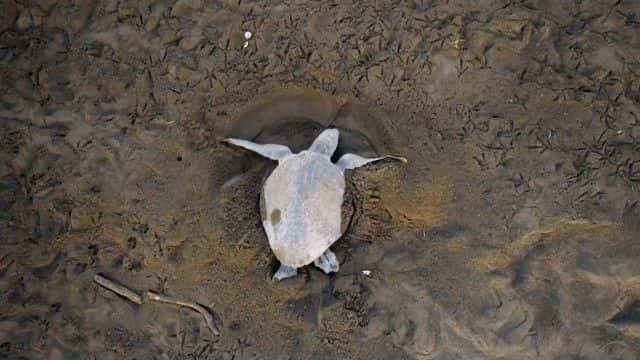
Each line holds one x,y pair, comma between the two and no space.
24,21
366,272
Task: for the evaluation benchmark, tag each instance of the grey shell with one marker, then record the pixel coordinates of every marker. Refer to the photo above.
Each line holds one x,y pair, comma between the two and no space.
301,207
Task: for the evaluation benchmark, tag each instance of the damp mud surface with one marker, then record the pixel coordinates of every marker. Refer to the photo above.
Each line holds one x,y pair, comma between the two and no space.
513,232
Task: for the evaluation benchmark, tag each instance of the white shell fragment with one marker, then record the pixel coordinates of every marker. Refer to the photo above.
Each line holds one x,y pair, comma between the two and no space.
247,36
366,272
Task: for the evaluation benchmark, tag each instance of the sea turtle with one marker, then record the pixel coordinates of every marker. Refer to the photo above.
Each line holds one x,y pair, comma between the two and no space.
301,201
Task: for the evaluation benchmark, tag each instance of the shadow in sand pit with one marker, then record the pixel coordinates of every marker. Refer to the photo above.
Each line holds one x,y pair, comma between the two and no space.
295,117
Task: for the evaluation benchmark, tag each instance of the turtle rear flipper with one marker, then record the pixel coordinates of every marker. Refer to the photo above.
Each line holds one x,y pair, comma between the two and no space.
327,262
284,272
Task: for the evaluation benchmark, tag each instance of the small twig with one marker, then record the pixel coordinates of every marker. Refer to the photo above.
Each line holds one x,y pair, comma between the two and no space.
208,318
118,289
150,295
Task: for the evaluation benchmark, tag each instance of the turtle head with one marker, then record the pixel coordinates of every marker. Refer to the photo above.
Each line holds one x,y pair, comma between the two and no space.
326,143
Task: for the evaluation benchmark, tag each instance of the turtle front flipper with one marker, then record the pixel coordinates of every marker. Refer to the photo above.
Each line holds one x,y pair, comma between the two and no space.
285,272
352,161
327,262
270,151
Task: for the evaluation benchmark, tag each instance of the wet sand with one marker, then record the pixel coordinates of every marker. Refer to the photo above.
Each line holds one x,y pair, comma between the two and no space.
512,233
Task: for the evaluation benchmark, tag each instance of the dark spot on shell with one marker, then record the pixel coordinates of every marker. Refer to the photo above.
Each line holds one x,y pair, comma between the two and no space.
275,216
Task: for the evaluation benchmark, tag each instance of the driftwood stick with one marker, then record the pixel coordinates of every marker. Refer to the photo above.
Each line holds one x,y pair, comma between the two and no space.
208,318
118,289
